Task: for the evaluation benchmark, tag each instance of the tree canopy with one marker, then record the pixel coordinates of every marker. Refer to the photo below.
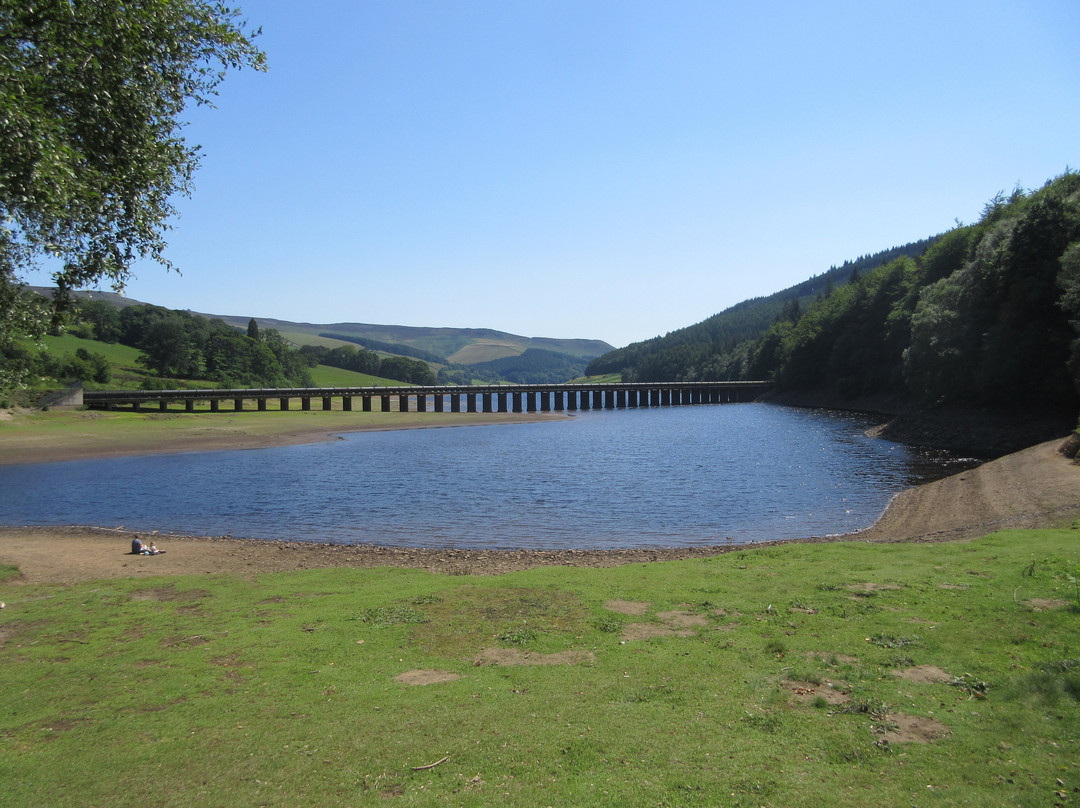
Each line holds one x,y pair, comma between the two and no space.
986,315
91,139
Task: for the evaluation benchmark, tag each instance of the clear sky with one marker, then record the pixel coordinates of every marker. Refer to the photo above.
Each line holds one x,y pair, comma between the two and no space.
603,169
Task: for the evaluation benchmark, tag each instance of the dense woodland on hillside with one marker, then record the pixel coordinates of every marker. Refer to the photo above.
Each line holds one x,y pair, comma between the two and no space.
985,315
699,352
179,345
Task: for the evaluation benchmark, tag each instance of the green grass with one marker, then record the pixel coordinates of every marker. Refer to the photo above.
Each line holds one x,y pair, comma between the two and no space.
611,378
126,372
280,690
326,376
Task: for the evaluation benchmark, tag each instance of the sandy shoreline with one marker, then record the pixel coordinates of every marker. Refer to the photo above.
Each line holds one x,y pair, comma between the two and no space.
1037,487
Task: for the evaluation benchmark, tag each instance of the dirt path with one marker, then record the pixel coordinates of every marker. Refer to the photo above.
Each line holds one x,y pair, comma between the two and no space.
1037,487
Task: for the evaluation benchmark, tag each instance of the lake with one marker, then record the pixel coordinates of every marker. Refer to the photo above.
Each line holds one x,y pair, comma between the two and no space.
657,477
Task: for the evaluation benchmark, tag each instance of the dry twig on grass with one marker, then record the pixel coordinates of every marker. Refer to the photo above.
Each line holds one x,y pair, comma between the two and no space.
430,765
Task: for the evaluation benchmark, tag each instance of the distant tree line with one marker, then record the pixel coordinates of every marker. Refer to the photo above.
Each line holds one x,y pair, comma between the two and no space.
399,368
987,316
714,349
180,345
396,348
532,366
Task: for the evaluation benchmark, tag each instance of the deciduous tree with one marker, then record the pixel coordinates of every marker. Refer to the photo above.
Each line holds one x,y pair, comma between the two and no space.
91,141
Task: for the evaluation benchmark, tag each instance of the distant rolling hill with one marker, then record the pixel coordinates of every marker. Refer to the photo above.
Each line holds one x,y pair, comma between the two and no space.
463,346
453,347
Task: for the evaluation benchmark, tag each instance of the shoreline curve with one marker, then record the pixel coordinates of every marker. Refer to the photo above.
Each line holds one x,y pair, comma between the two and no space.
1036,487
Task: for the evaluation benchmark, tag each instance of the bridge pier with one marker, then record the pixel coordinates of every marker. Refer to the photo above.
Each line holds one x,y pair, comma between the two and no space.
485,398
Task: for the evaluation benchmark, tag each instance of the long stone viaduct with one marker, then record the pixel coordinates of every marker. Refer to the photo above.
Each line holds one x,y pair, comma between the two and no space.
448,398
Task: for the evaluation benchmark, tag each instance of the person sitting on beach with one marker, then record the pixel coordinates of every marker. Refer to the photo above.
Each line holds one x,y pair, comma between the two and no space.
136,546
153,549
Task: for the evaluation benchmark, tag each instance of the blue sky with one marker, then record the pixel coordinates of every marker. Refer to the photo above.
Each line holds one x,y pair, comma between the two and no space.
603,169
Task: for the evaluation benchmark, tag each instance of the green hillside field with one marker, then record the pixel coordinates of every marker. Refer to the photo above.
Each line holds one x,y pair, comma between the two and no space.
840,674
128,374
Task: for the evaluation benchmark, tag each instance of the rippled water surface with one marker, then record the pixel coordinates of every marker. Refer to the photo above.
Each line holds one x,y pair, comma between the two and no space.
675,476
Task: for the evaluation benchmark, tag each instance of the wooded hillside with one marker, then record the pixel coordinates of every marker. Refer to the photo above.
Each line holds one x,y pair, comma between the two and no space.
985,315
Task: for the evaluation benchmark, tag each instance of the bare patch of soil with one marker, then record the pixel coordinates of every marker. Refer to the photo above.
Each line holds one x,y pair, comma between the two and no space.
683,619
516,656
426,677
924,674
676,623
913,729
646,631
869,587
1045,604
833,692
630,607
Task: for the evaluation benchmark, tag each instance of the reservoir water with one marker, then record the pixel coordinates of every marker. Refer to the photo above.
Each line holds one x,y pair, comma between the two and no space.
676,476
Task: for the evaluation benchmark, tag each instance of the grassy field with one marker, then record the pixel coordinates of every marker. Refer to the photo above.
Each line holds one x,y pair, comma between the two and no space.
126,372
326,376
611,378
804,675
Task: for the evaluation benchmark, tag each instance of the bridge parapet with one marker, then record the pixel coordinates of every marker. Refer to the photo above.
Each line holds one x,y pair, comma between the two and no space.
476,398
